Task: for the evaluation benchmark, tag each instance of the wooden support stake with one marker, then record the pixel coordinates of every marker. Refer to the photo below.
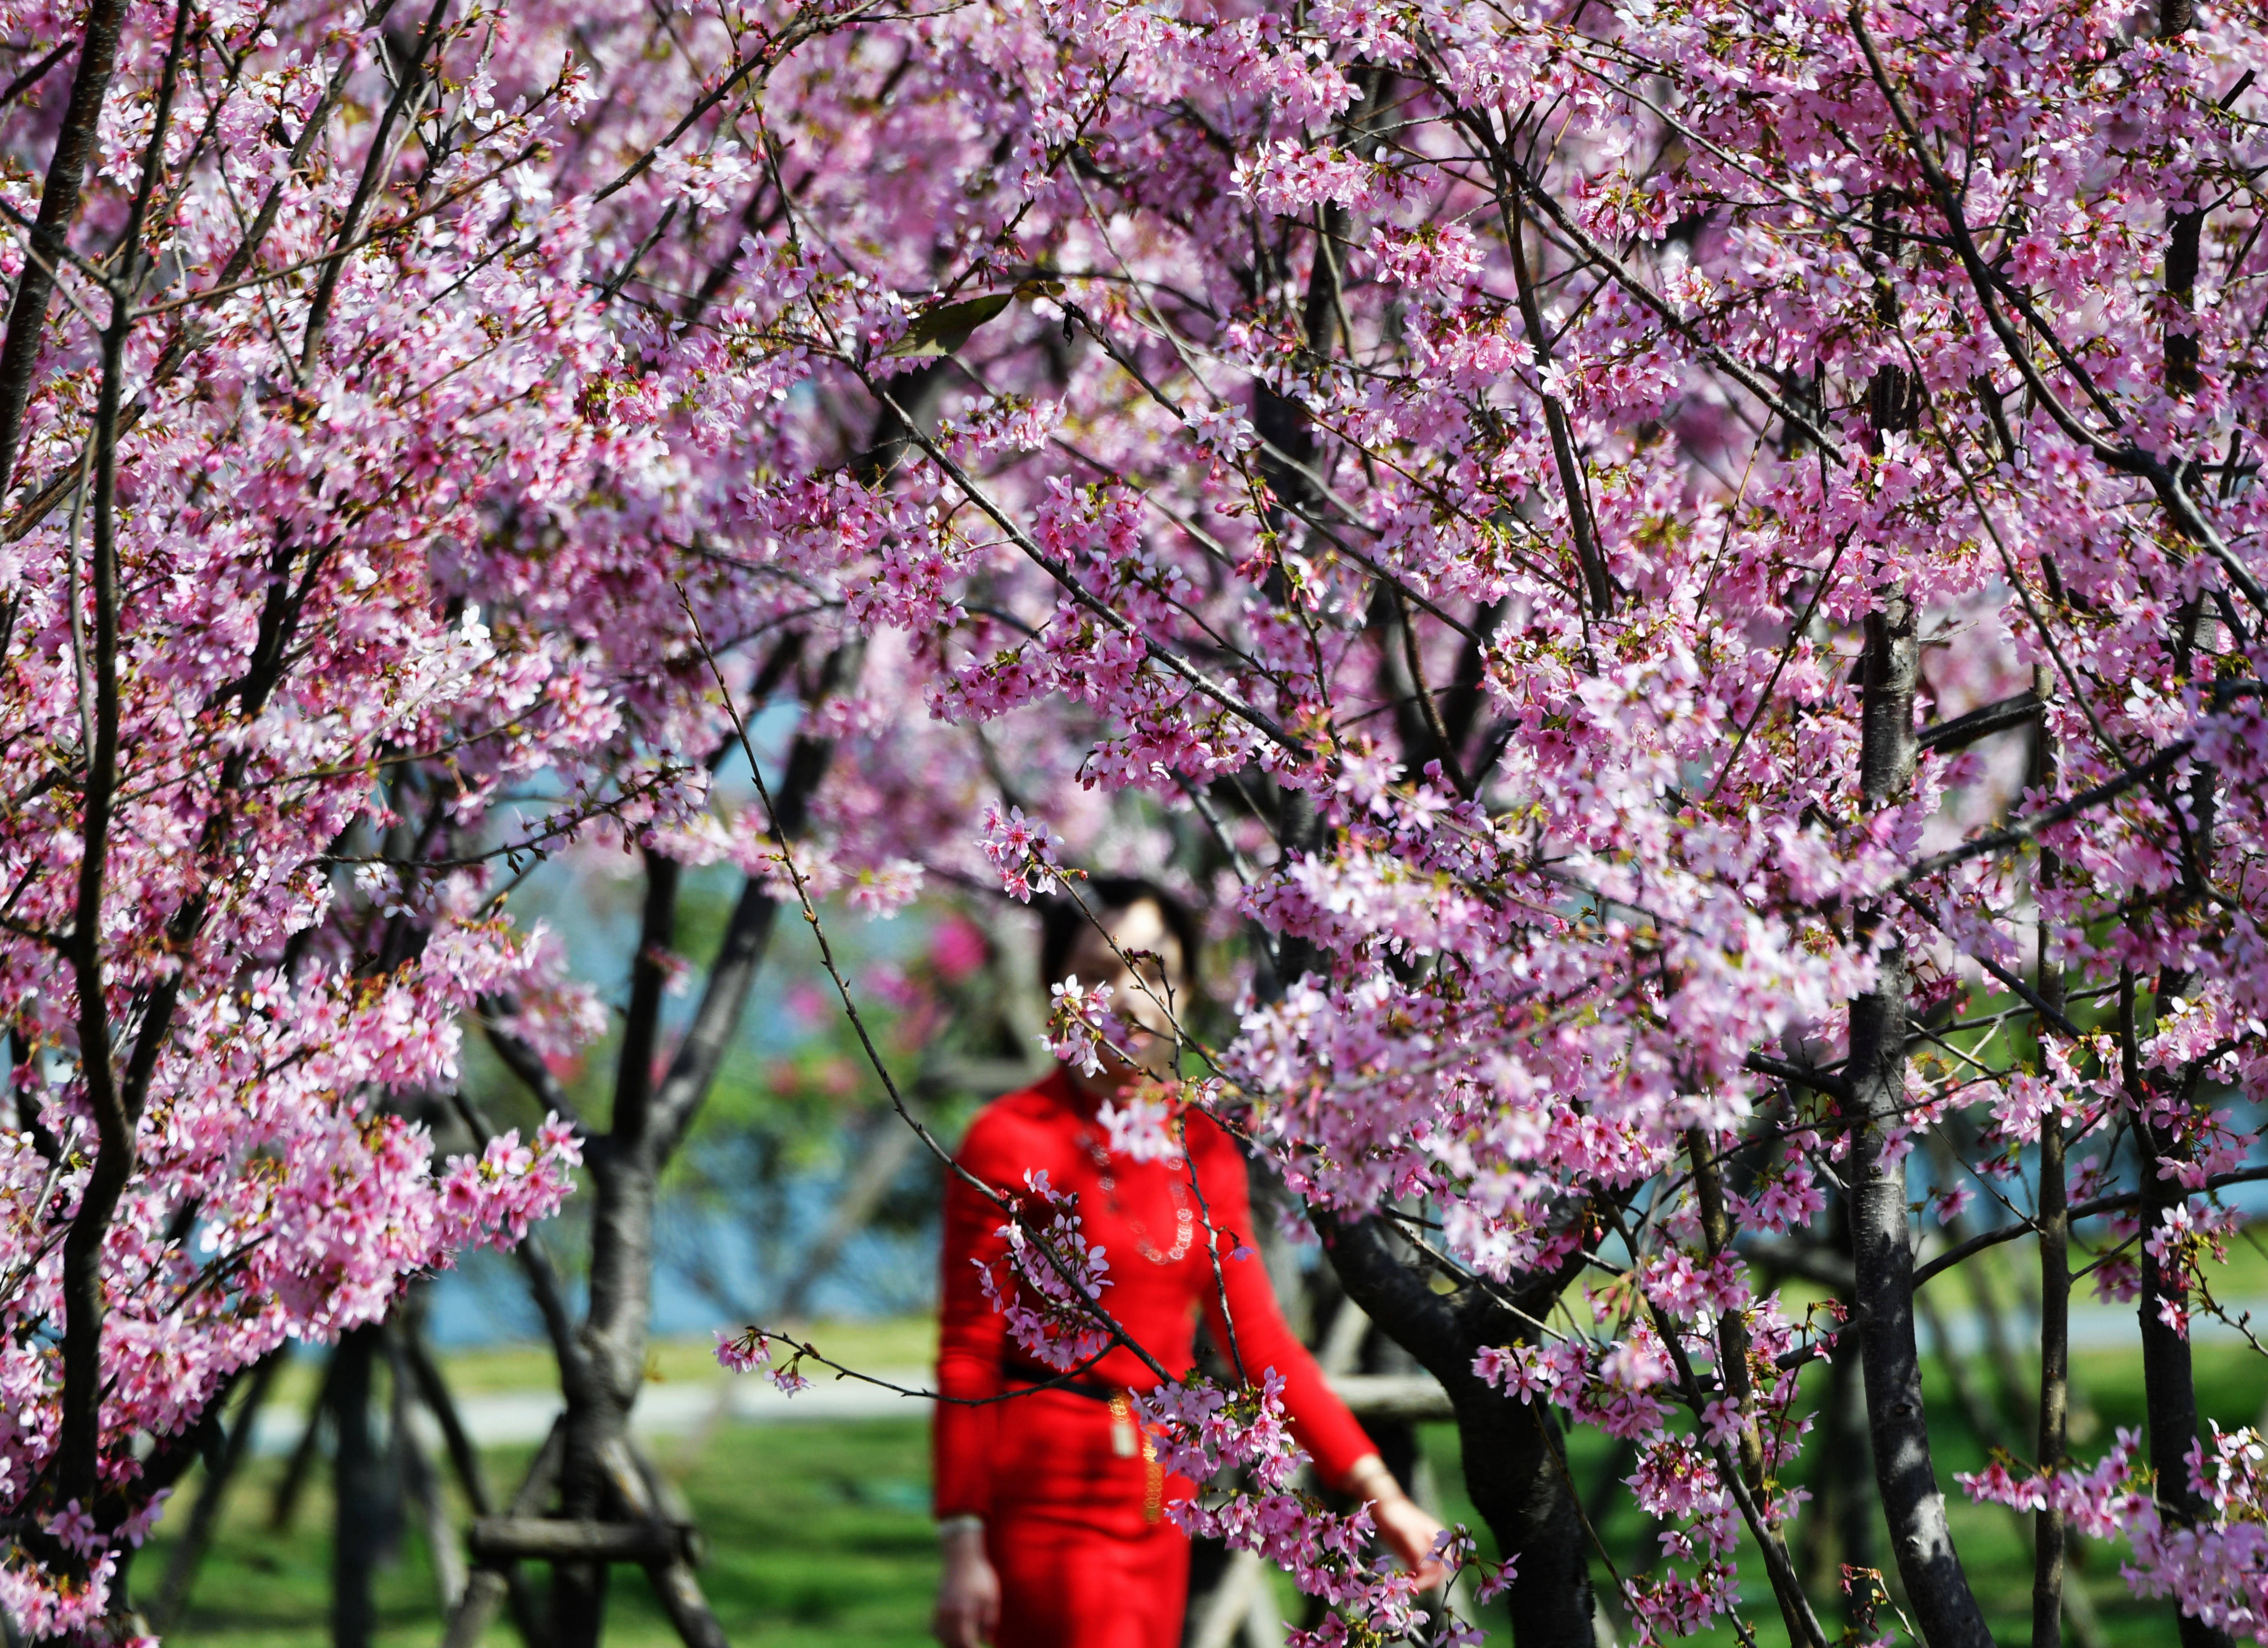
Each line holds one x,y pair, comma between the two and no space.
499,1540
469,1622
674,1587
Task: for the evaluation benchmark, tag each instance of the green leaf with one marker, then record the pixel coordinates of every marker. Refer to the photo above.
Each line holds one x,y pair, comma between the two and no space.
943,330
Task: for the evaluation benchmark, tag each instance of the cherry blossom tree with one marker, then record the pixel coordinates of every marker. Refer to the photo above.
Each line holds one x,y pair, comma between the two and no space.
1569,502
1688,572
319,631
297,676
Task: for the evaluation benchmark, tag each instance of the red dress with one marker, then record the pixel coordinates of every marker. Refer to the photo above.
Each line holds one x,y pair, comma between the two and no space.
1072,1503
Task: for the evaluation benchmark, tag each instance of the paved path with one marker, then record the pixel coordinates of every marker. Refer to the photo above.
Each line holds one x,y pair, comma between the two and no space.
502,1418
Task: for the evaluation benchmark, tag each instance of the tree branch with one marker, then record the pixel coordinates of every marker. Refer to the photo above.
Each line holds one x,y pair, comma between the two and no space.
1982,723
740,954
376,161
59,200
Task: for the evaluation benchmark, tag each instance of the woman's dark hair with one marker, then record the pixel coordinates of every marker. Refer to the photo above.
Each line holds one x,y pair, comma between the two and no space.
1061,920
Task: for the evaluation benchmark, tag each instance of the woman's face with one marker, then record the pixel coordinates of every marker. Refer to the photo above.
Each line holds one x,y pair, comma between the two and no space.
1141,1003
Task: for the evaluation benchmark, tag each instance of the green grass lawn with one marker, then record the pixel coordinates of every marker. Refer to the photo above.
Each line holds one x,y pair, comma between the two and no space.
819,1532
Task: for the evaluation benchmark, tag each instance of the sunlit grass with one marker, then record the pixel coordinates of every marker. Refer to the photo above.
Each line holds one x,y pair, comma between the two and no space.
820,1533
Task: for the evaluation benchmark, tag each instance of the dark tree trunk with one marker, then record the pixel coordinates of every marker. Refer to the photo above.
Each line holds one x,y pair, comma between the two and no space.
603,1383
1514,1471
284,1507
2168,1379
1945,1609
489,1586
1516,1481
603,1368
2185,241
59,199
368,1510
1850,1461
2050,1536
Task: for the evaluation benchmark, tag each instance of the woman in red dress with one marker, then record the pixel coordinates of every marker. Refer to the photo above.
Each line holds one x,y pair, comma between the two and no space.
1051,1505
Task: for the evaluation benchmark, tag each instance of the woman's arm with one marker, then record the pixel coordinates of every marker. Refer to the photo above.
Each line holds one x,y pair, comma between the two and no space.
969,1592
1243,1312
1411,1531
971,1333
1343,1454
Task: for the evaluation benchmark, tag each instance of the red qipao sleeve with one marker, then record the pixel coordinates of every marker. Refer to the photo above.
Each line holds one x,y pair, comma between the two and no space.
971,1333
1332,1436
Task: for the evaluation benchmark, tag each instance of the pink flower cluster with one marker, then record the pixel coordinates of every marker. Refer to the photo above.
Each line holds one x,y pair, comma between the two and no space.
1054,1280
491,1200
1208,1434
1023,851
1082,1027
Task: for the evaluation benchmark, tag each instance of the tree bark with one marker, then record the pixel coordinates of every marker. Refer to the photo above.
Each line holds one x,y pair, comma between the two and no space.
420,1480
489,1586
602,1382
2168,1379
2054,1219
284,1507
1858,1503
409,84
500,1540
2184,243
1944,1607
114,1098
2168,1382
674,1586
433,1392
2051,1537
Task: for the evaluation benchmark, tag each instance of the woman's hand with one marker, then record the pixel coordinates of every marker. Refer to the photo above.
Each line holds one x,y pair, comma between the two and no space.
969,1595
1408,1529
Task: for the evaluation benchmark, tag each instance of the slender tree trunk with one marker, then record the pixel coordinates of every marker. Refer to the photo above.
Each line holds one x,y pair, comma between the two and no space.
2054,1219
285,1507
2184,243
369,1503
1516,1477
433,1392
2051,1537
603,1371
1944,1607
1857,1505
2168,1379
2169,1388
489,1587
603,1384
674,1586
2009,1397
420,1481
